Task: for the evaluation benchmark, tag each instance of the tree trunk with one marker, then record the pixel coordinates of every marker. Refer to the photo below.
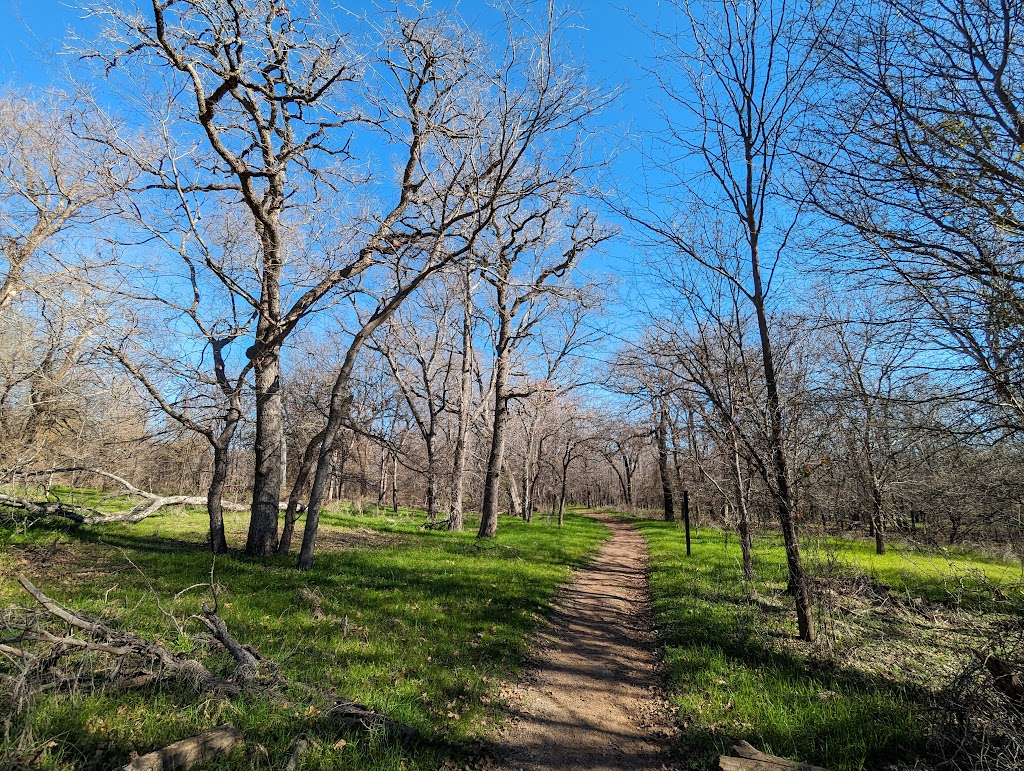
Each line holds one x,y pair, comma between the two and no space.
461,453
743,515
394,481
269,448
666,482
877,517
431,481
215,495
561,495
295,497
496,455
686,519
783,494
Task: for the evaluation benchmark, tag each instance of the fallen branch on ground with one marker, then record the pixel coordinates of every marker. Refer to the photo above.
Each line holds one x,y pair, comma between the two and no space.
487,545
136,662
186,753
78,651
301,746
746,757
83,515
1005,679
315,602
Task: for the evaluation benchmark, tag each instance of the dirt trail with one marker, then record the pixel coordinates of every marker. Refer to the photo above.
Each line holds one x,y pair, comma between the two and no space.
592,699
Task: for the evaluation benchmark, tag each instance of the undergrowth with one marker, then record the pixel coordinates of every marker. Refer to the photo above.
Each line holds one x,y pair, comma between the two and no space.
893,630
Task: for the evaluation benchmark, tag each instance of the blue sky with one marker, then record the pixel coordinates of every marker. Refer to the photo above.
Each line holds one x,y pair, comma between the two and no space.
32,31
33,35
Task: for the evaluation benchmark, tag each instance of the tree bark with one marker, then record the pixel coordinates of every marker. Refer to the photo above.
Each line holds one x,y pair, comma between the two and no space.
742,512
782,492
215,496
295,497
686,519
496,455
663,470
269,447
878,517
188,752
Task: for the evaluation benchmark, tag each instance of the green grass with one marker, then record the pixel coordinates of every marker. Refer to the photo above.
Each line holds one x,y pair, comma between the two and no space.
958,576
421,625
735,671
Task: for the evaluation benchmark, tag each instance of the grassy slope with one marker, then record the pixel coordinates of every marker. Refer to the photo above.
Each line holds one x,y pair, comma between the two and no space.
852,701
433,624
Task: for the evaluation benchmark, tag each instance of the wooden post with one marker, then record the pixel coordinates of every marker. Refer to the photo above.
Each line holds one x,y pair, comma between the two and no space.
686,518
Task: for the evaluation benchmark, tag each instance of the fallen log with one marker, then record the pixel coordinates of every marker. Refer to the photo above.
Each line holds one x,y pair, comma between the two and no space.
349,712
83,515
746,757
301,746
186,753
1005,679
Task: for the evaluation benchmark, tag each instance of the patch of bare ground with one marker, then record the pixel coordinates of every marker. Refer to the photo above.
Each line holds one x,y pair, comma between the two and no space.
334,539
592,696
357,538
66,560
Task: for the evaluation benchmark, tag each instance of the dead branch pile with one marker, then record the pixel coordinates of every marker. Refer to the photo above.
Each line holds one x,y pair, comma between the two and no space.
53,648
57,649
980,714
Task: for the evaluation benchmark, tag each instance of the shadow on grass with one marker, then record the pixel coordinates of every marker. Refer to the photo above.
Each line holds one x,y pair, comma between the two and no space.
420,628
733,678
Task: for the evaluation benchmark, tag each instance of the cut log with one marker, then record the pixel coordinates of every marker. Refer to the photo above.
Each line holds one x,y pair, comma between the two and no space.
187,752
749,758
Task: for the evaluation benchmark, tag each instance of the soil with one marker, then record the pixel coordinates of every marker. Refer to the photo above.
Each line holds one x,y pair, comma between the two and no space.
592,696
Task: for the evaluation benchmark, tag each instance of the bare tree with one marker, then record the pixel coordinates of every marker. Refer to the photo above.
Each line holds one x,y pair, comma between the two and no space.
919,161
263,83
479,127
53,180
423,368
527,263
739,74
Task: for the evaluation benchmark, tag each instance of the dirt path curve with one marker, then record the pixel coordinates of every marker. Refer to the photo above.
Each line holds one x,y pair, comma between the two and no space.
592,699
